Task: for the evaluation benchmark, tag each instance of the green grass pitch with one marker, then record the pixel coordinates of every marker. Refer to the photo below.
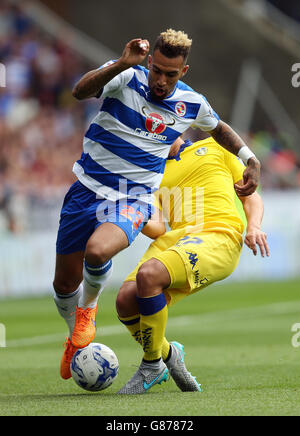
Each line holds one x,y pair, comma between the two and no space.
237,338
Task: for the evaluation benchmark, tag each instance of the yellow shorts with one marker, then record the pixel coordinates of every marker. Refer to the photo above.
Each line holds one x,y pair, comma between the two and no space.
193,260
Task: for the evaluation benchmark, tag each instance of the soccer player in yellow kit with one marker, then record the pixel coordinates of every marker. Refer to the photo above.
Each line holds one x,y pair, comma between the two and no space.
202,247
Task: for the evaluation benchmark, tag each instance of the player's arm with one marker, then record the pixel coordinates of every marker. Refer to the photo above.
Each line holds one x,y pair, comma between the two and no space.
254,211
91,84
155,227
231,141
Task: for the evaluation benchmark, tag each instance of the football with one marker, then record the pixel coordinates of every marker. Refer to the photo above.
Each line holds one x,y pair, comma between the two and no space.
94,367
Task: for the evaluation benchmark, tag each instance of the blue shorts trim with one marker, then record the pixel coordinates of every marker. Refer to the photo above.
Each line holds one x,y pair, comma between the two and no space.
82,212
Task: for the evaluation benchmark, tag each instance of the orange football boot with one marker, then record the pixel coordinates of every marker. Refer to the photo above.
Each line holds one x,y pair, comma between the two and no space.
85,327
65,363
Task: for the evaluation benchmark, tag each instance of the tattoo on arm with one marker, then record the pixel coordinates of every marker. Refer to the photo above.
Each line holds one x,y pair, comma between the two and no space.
227,137
87,86
92,82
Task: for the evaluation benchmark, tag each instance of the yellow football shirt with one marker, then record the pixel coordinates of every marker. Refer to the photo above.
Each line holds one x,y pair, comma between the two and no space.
197,189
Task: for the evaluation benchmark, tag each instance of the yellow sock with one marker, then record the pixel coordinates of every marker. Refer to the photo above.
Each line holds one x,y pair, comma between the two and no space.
132,323
154,315
165,349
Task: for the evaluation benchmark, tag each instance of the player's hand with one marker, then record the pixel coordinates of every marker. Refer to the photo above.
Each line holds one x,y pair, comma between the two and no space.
251,179
256,237
135,52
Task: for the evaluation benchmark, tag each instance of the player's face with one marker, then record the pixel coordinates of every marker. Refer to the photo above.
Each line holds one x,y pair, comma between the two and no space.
164,74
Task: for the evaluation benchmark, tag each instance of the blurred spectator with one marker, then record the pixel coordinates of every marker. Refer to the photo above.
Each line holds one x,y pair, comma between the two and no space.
5,207
280,164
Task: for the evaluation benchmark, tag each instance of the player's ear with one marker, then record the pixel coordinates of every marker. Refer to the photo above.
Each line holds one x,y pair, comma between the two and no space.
149,60
185,70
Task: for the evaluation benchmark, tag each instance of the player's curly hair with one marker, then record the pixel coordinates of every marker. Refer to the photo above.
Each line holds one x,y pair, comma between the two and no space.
172,43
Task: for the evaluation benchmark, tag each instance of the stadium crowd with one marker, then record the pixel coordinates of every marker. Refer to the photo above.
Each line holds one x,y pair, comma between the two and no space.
42,126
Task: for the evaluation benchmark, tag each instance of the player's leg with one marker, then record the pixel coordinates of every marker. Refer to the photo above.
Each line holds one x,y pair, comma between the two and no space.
68,287
152,278
173,353
169,262
128,313
127,307
107,240
77,223
128,310
168,268
152,306
117,226
126,303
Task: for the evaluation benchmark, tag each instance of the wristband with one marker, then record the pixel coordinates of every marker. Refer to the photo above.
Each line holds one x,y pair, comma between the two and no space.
245,153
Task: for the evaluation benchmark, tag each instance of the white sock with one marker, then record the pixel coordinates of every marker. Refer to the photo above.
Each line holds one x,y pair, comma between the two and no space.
66,306
95,278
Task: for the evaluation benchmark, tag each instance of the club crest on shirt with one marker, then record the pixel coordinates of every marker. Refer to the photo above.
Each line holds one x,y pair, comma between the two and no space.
201,151
180,108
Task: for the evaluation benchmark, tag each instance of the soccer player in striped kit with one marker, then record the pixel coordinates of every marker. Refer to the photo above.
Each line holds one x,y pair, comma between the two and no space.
142,112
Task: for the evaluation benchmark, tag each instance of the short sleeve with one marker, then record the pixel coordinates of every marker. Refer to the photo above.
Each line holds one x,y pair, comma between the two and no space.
207,119
235,166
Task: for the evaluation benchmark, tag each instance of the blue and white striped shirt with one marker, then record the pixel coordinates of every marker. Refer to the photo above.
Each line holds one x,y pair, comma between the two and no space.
127,144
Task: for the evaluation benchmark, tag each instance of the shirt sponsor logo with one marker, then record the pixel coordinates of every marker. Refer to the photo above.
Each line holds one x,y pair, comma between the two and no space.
155,125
